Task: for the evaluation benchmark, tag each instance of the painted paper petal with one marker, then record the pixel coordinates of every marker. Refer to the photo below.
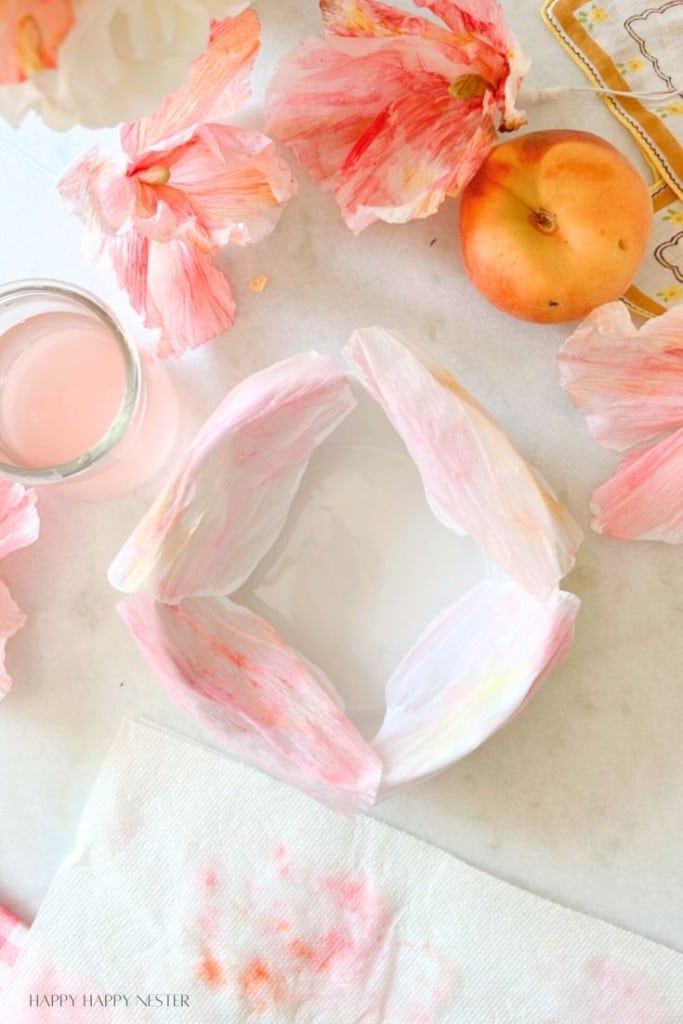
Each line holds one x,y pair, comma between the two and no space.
233,672
373,112
218,86
175,288
19,524
11,620
475,479
424,147
473,667
627,381
644,498
229,498
31,32
225,185
100,192
380,129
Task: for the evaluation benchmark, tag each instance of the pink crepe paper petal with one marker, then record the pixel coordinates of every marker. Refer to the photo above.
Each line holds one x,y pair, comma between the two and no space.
31,32
187,189
392,112
19,527
163,217
19,523
218,86
628,381
228,500
644,498
11,621
476,481
473,668
233,672
175,288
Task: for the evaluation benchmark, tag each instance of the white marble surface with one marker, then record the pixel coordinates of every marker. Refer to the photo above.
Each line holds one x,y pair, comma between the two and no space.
581,797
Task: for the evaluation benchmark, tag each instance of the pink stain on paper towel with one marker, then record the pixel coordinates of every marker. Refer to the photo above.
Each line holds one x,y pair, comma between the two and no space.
606,990
319,938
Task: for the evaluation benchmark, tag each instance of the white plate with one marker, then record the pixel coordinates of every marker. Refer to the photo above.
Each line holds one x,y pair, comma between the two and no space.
362,566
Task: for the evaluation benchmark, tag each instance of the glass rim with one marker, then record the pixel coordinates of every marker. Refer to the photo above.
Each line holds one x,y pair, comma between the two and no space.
59,472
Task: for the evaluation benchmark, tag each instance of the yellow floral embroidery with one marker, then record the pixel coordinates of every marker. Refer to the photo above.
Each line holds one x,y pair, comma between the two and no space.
675,107
671,294
673,215
594,16
633,66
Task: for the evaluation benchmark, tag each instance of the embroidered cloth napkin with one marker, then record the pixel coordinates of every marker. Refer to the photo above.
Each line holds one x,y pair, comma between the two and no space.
637,46
13,934
200,890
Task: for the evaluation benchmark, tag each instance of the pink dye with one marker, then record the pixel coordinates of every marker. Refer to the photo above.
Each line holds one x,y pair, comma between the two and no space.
63,389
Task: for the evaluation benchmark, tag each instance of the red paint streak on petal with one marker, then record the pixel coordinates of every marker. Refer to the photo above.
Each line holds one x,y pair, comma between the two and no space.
211,880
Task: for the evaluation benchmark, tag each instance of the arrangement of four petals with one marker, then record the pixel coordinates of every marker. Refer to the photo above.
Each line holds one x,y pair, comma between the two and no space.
472,668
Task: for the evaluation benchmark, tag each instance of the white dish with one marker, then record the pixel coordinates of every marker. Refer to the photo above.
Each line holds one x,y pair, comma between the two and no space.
362,566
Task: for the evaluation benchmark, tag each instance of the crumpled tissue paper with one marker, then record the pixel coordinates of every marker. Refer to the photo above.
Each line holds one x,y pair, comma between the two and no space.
203,892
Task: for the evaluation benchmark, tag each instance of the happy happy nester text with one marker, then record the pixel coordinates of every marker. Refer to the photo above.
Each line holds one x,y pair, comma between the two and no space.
111,1000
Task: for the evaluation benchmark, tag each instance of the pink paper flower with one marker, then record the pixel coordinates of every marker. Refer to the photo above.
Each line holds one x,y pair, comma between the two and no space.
392,112
185,188
19,527
629,383
99,62
31,32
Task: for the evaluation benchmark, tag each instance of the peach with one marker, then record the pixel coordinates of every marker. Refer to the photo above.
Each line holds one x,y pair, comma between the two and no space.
553,224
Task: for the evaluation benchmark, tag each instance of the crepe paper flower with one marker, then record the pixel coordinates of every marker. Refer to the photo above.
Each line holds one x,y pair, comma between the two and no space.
232,671
227,503
476,481
230,495
184,189
628,382
19,527
392,112
31,32
456,687
99,62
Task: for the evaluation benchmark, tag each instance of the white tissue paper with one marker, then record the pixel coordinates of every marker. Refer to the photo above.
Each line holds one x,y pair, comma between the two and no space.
226,504
203,892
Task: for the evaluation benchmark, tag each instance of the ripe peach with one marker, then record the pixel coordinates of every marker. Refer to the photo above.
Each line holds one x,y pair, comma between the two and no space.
553,224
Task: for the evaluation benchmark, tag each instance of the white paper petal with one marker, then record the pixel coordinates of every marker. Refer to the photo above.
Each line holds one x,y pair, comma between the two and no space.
475,478
228,500
234,673
470,671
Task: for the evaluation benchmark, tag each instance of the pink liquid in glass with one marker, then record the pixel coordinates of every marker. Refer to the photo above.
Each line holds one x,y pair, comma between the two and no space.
62,385
63,390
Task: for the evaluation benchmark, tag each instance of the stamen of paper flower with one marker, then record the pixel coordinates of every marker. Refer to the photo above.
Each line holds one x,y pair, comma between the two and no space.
154,176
